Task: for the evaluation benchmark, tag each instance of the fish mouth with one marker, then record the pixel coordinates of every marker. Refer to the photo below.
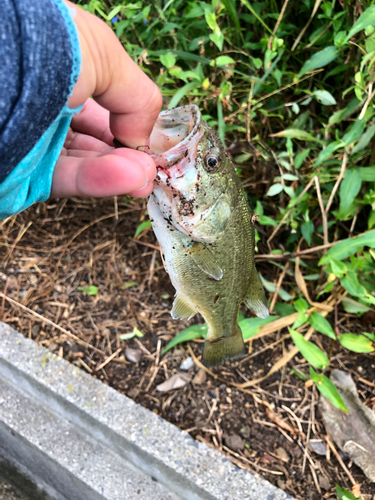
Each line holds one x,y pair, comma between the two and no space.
174,134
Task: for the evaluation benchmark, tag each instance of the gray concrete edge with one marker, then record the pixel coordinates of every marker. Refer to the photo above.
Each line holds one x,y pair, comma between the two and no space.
188,468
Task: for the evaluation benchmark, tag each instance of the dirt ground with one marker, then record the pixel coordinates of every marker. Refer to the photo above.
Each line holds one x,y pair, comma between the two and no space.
273,428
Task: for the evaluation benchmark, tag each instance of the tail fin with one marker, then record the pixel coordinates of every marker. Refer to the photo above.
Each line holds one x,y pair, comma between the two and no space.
216,351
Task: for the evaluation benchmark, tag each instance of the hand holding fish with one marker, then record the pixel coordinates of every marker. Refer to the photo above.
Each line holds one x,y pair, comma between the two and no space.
126,104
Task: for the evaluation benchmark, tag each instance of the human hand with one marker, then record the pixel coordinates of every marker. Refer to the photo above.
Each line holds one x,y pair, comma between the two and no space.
126,105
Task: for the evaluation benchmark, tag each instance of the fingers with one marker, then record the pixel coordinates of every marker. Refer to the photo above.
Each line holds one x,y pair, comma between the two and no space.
76,140
115,81
120,172
93,120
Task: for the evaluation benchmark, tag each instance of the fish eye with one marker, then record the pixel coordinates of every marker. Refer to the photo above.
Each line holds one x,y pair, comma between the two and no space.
212,162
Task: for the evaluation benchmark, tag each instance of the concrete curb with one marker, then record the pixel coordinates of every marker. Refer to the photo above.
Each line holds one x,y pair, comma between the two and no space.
78,439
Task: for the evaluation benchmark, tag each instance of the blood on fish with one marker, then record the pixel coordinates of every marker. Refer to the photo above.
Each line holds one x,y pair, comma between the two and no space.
161,169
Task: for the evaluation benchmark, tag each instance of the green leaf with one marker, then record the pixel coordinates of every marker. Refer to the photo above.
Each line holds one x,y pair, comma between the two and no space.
220,119
211,20
168,60
294,133
300,158
181,54
354,307
129,284
300,305
299,374
320,59
222,61
275,189
284,309
218,39
351,284
354,132
134,333
190,333
349,246
307,230
302,318
366,19
368,174
328,152
320,324
289,191
364,140
328,390
339,269
356,343
336,117
371,336
250,326
345,494
142,226
349,188
181,93
88,290
266,221
325,97
310,351
230,6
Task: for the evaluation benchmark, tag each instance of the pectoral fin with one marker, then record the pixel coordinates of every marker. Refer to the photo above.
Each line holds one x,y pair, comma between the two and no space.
255,297
205,260
181,310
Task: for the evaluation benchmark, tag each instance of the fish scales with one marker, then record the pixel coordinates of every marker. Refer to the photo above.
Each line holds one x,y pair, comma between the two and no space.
201,218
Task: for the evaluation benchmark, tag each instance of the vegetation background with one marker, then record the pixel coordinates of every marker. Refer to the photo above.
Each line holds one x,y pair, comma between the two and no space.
290,88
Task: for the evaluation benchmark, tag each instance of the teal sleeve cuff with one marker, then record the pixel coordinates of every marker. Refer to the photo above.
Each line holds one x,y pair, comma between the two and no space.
31,180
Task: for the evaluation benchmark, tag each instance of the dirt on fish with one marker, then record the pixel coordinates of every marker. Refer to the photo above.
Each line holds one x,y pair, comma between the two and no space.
52,249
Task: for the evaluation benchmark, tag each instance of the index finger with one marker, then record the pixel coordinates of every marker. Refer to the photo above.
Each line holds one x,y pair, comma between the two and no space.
114,80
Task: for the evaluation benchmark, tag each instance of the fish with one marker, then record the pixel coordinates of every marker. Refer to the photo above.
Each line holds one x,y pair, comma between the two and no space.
201,218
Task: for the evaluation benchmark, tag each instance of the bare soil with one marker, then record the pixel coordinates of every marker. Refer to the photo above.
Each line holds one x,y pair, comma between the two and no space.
52,249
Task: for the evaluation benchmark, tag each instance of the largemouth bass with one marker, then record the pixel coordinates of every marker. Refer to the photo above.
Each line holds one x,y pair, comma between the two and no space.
201,218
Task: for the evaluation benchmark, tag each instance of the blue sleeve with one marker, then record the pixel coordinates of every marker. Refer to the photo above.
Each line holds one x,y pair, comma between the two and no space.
40,66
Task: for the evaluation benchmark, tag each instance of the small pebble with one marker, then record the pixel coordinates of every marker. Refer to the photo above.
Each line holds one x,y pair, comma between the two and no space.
187,364
280,452
318,446
234,442
360,369
324,483
133,355
200,377
213,394
245,432
281,484
35,329
53,347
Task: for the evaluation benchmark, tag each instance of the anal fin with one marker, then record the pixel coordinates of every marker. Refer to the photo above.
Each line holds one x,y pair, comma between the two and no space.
181,310
205,260
255,297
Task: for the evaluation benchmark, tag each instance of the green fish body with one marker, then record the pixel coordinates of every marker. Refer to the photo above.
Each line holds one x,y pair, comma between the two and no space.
201,218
